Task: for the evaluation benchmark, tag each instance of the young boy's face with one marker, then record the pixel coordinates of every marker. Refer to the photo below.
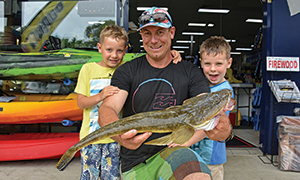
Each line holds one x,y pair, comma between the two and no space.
112,52
214,67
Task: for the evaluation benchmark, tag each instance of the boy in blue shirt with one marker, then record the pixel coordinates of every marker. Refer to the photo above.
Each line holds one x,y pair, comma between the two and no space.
215,59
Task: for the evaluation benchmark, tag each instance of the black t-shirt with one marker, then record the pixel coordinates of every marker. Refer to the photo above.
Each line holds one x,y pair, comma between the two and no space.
151,89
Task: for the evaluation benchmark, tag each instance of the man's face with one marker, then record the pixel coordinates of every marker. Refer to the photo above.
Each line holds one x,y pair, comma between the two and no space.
157,41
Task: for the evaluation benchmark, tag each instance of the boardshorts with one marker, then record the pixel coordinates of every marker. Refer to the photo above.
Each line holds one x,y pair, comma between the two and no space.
170,163
100,161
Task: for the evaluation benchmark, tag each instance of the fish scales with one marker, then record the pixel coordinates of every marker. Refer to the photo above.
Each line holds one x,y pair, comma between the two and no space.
182,121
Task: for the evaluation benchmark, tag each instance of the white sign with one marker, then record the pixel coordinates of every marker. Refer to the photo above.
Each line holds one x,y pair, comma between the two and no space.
283,64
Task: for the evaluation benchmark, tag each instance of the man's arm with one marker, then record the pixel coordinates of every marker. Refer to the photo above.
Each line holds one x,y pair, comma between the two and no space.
108,113
222,130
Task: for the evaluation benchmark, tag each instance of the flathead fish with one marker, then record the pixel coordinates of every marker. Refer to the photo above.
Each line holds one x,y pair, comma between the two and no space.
200,112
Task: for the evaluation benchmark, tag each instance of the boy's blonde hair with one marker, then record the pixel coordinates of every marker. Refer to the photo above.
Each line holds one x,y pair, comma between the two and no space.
215,45
114,32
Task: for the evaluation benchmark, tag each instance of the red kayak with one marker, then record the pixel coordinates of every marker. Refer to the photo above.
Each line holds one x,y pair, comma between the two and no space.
25,146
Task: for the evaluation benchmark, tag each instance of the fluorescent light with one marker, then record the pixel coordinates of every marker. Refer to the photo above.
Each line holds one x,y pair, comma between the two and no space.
243,49
210,25
254,20
145,8
95,22
197,24
142,46
235,53
178,41
193,33
230,40
141,40
181,47
214,10
181,51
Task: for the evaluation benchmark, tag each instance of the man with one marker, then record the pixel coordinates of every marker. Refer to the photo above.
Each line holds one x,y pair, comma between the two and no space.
149,83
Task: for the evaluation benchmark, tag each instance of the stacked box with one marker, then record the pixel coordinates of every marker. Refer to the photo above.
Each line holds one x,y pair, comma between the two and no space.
289,143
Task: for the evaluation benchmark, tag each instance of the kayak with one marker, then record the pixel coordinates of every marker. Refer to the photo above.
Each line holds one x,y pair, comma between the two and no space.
40,108
27,146
49,65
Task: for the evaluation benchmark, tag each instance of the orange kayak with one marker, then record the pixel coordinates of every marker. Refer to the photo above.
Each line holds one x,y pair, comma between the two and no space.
40,108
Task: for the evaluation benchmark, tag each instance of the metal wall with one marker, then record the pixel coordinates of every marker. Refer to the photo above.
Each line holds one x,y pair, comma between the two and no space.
280,38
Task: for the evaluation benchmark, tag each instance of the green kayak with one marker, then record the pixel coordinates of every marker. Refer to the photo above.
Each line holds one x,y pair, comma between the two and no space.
49,65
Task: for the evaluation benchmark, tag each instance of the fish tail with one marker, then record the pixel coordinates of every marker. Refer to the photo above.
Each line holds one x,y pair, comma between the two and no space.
65,159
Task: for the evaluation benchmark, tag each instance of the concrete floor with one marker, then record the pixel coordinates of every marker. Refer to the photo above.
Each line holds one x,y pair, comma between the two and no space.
242,163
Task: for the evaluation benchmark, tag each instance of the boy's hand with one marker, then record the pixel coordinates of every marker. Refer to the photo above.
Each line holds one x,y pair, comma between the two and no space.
108,91
176,56
171,144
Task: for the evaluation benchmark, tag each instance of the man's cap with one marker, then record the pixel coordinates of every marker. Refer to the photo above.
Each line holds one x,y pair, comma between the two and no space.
165,24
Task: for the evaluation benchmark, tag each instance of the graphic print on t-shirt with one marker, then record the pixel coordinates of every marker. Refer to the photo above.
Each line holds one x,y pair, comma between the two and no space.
160,92
96,86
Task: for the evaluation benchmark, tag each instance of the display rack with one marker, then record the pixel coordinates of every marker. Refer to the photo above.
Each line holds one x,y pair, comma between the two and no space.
285,91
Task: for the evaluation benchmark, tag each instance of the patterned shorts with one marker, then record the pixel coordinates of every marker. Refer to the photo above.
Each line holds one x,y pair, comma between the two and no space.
100,160
170,163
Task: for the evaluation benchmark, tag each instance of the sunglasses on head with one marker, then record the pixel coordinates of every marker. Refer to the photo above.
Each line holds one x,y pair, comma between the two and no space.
157,17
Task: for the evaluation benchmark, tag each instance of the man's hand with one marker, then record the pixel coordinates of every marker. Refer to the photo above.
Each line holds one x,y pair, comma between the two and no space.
222,130
130,140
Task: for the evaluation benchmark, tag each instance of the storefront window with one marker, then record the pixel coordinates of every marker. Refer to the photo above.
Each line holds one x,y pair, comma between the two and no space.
37,26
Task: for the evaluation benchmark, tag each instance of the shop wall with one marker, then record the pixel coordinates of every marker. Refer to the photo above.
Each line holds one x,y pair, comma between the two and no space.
280,38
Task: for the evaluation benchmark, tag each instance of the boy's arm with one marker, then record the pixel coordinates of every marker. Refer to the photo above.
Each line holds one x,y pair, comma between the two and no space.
87,102
198,136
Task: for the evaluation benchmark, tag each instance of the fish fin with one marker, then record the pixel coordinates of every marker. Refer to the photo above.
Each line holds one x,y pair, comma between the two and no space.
186,101
65,159
183,134
193,98
179,136
173,107
161,141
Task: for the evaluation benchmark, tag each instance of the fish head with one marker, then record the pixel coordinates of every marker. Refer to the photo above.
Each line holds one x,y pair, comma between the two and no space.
204,108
